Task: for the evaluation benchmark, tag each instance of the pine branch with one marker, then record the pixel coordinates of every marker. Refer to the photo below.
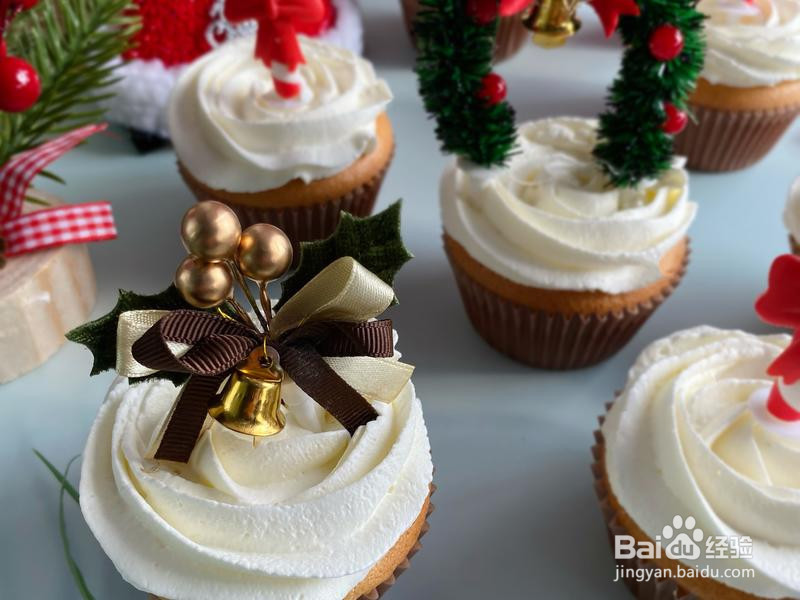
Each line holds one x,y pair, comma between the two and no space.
632,145
455,54
70,43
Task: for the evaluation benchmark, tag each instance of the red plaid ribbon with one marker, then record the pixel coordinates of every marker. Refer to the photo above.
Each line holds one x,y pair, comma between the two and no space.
75,224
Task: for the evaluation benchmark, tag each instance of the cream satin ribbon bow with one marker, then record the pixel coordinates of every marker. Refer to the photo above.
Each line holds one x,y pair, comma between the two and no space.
343,291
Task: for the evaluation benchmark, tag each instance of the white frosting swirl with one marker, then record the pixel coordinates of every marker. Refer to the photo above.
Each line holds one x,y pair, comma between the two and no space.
791,214
550,220
303,514
681,440
751,45
233,132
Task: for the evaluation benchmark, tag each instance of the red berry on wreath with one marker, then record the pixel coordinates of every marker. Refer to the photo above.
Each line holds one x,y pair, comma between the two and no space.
19,85
493,89
676,119
3,49
482,12
666,42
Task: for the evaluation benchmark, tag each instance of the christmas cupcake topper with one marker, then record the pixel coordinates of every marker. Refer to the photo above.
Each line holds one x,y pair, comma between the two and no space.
276,38
646,107
324,333
779,407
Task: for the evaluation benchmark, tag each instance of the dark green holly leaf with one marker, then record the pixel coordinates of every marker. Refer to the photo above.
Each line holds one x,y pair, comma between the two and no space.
100,336
374,241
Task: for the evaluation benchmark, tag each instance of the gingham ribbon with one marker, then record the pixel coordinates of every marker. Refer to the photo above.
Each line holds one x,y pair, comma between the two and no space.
50,227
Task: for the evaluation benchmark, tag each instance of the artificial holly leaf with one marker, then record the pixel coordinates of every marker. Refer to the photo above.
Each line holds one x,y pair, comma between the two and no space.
100,336
374,241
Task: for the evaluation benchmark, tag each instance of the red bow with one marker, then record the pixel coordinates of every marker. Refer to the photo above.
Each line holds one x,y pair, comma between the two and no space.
276,40
780,305
50,227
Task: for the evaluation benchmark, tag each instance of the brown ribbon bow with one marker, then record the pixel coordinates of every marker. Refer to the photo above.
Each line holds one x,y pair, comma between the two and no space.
219,344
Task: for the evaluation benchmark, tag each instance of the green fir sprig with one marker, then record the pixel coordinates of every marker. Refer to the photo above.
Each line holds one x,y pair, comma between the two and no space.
455,54
632,145
71,44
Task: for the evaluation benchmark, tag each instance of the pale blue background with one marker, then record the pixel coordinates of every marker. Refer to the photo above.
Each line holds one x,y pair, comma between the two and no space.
517,516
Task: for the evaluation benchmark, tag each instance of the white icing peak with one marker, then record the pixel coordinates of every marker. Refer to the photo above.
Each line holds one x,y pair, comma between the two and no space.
682,439
791,215
550,220
233,132
751,45
303,514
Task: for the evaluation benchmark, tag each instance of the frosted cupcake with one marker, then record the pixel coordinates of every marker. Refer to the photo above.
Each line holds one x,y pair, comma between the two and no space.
309,513
556,268
749,91
291,460
691,463
293,162
791,216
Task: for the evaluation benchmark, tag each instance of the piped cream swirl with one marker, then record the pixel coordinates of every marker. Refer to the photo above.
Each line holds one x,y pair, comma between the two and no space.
233,132
681,440
550,219
304,514
751,44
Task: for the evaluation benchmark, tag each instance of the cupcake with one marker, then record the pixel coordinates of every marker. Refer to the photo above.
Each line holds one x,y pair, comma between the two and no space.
511,33
699,482
791,216
557,268
294,162
294,461
173,34
749,90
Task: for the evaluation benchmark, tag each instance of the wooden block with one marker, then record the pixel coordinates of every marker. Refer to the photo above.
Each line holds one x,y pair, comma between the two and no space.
42,296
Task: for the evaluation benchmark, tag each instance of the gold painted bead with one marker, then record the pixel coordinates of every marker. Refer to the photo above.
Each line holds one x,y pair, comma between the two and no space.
210,230
204,284
265,253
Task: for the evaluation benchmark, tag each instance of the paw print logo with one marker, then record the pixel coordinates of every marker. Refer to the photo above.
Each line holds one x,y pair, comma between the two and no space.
682,539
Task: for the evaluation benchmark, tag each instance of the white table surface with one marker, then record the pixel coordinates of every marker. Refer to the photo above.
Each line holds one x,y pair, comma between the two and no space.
517,516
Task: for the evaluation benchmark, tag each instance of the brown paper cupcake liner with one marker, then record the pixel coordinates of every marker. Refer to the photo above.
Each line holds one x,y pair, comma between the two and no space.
401,568
657,587
547,340
794,245
727,140
511,33
304,223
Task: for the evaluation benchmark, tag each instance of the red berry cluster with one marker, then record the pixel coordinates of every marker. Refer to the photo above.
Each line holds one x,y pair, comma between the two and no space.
19,82
493,87
666,44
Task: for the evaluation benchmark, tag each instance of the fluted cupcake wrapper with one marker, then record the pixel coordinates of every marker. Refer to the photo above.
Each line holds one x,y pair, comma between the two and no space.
547,340
794,245
401,568
723,140
656,588
305,223
511,33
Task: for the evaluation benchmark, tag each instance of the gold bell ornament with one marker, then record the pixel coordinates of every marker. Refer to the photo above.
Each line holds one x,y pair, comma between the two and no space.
251,400
552,22
221,253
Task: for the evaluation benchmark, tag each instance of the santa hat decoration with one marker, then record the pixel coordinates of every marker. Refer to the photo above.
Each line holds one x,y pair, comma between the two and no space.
175,33
780,305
